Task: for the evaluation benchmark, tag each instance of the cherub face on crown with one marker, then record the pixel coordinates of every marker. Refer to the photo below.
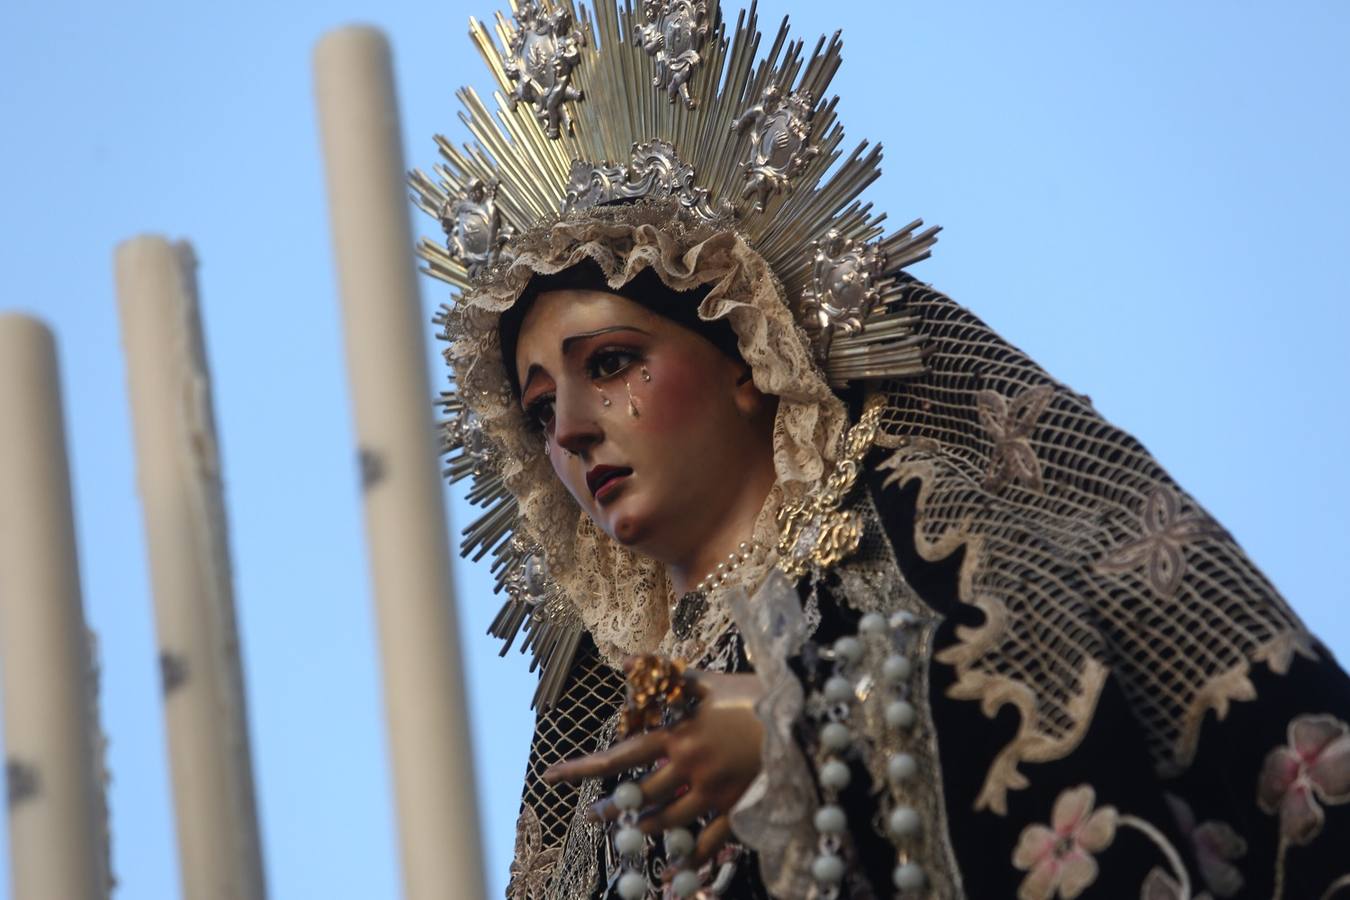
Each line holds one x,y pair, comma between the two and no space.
544,50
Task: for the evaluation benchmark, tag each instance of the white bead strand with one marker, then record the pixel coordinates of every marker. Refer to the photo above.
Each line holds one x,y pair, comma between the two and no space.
630,844
904,824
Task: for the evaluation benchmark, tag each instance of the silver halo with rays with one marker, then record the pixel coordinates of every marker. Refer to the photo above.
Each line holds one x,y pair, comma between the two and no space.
586,112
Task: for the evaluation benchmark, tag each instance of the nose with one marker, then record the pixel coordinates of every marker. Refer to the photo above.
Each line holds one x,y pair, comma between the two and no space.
576,427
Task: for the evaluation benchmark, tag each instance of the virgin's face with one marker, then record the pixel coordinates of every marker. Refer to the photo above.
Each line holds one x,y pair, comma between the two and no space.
654,431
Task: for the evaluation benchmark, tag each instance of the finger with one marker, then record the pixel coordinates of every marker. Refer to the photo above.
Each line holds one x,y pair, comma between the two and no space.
657,788
697,683
681,811
711,839
635,751
662,784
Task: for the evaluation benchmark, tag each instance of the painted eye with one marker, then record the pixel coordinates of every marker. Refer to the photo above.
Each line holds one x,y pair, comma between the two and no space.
610,362
540,411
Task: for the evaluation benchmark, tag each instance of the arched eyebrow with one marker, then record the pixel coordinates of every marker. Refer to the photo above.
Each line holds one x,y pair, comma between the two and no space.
569,341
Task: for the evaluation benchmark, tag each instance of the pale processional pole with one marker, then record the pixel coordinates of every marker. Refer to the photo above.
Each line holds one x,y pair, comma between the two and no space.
179,479
425,698
57,829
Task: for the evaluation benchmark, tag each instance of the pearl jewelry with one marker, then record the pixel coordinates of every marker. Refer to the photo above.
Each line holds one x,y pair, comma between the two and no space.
872,624
828,869
908,877
897,668
723,570
685,884
903,619
632,886
900,714
835,775
903,821
629,841
848,649
831,820
679,843
838,689
836,736
901,766
628,796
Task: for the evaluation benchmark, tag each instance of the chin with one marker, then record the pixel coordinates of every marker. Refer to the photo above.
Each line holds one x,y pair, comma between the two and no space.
629,522
629,530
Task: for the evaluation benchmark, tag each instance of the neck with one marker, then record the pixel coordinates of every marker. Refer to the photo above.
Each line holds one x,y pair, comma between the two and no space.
721,540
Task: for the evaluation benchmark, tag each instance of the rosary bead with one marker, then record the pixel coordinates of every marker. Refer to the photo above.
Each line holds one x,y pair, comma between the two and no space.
848,649
835,736
628,796
632,886
835,775
897,668
908,877
872,623
831,820
902,619
679,843
629,841
838,689
900,714
901,766
903,821
685,884
828,869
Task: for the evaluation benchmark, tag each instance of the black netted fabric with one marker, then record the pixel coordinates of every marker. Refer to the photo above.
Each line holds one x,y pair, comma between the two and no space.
1082,553
576,725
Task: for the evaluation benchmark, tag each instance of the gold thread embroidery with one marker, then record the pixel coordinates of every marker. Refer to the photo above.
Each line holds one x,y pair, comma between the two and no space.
816,533
1011,426
1161,547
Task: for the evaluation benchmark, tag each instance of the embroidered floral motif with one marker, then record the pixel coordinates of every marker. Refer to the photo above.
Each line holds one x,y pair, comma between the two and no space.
1059,860
1161,548
1161,886
1215,845
1313,766
1011,426
533,865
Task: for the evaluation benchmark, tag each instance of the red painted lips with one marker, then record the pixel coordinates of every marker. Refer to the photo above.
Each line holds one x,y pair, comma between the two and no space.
604,480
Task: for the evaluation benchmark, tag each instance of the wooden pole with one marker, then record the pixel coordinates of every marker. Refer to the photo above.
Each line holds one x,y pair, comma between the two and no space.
179,477
53,768
406,531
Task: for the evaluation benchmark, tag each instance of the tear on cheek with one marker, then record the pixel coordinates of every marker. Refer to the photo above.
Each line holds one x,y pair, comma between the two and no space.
674,397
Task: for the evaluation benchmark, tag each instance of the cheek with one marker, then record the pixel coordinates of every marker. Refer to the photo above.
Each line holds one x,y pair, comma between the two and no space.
678,394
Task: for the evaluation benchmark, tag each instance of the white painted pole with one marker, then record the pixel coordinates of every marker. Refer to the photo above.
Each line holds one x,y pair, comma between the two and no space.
57,831
179,477
405,516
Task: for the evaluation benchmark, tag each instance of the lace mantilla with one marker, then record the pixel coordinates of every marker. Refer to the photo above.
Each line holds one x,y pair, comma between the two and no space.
1082,554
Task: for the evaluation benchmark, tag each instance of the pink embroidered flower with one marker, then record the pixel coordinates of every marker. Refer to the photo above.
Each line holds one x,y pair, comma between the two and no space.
1313,766
1216,845
1058,860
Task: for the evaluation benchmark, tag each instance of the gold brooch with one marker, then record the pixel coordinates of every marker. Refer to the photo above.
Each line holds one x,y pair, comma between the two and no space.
816,533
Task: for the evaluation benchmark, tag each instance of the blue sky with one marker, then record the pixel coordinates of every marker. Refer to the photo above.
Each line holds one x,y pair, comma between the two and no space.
1150,198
